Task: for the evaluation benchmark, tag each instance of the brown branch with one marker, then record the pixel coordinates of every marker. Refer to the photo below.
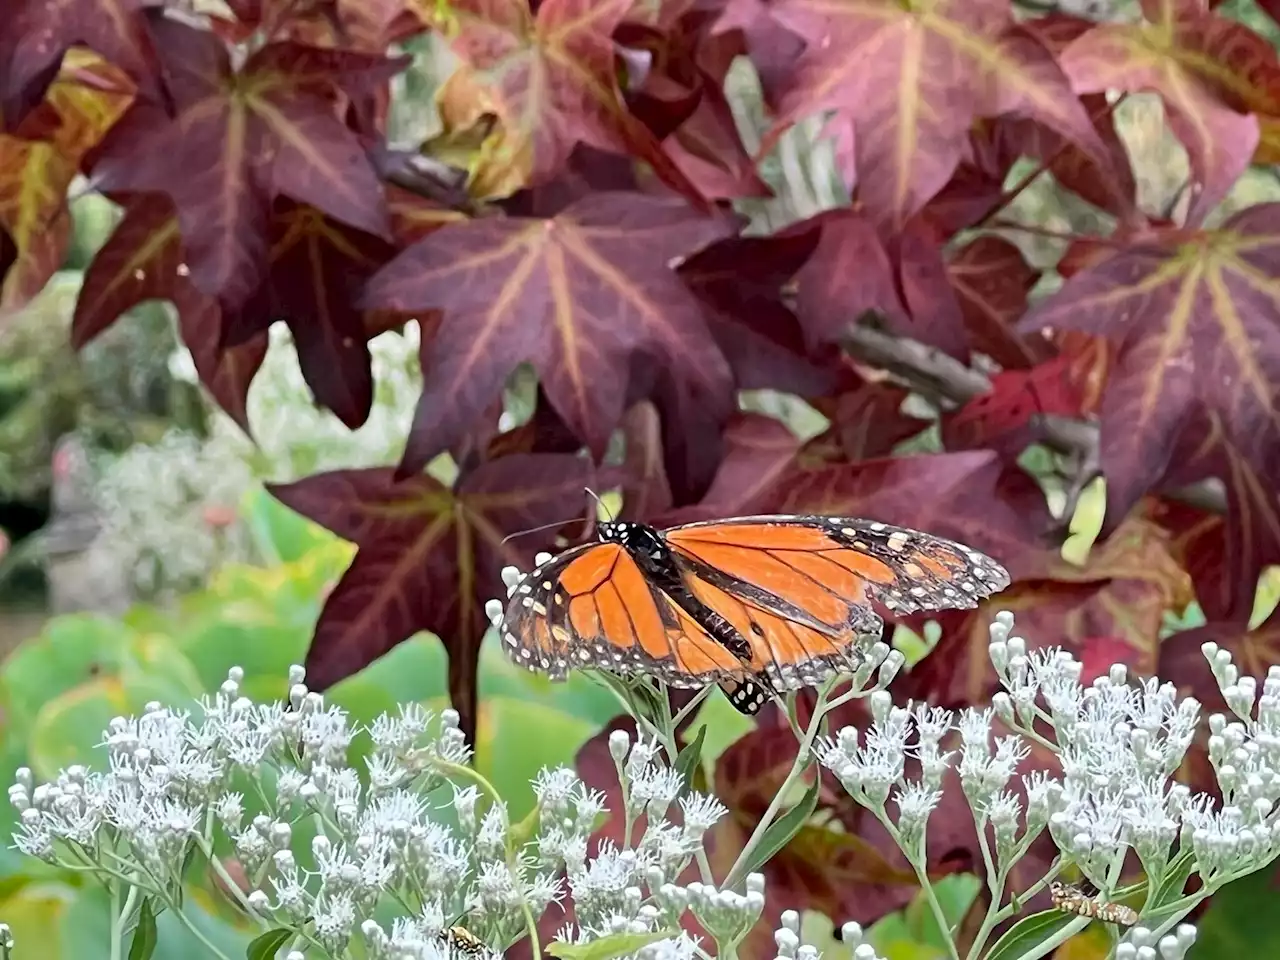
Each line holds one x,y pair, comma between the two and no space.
425,176
951,384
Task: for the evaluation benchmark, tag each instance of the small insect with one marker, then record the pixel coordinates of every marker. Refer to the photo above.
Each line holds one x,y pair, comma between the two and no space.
755,604
1071,899
463,943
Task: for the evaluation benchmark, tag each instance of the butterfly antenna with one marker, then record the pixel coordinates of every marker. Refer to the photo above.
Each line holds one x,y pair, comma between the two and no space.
538,529
595,496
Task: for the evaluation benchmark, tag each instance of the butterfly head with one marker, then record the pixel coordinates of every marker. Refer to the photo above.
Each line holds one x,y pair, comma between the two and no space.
636,537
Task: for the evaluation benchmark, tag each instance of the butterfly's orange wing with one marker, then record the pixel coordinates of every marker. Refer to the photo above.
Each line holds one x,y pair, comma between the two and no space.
592,606
793,595
799,588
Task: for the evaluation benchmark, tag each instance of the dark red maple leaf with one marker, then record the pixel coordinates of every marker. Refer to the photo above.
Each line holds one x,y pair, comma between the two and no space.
831,292
680,94
1122,592
240,139
142,260
928,289
1195,321
577,295
1247,540
429,557
316,270
913,80
741,279
757,451
992,280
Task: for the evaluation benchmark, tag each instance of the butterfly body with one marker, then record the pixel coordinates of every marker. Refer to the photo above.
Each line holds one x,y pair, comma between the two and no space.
657,561
756,604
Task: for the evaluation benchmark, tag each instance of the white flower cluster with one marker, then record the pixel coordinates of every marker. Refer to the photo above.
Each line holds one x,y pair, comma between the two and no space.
1118,743
1141,943
169,510
168,795
172,791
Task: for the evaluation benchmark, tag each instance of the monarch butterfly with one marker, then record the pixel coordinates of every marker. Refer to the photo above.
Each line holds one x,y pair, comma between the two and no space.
1072,899
756,604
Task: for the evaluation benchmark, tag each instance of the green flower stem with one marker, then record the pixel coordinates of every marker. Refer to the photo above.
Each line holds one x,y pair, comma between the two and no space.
233,888
463,772
918,864
688,709
1015,903
993,912
775,805
668,737
118,915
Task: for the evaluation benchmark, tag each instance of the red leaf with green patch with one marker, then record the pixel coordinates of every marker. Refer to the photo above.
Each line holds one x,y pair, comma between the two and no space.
913,81
243,137
1010,415
43,30
866,422
1198,541
38,163
429,557
1195,321
578,296
1163,54
549,77
1249,535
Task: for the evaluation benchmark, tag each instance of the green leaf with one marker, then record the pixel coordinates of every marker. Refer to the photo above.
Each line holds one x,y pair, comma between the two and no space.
782,830
1240,921
265,946
281,534
1169,890
608,948
144,934
1029,933
689,760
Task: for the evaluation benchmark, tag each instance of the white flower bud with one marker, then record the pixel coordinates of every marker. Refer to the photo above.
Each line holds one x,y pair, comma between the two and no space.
619,744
